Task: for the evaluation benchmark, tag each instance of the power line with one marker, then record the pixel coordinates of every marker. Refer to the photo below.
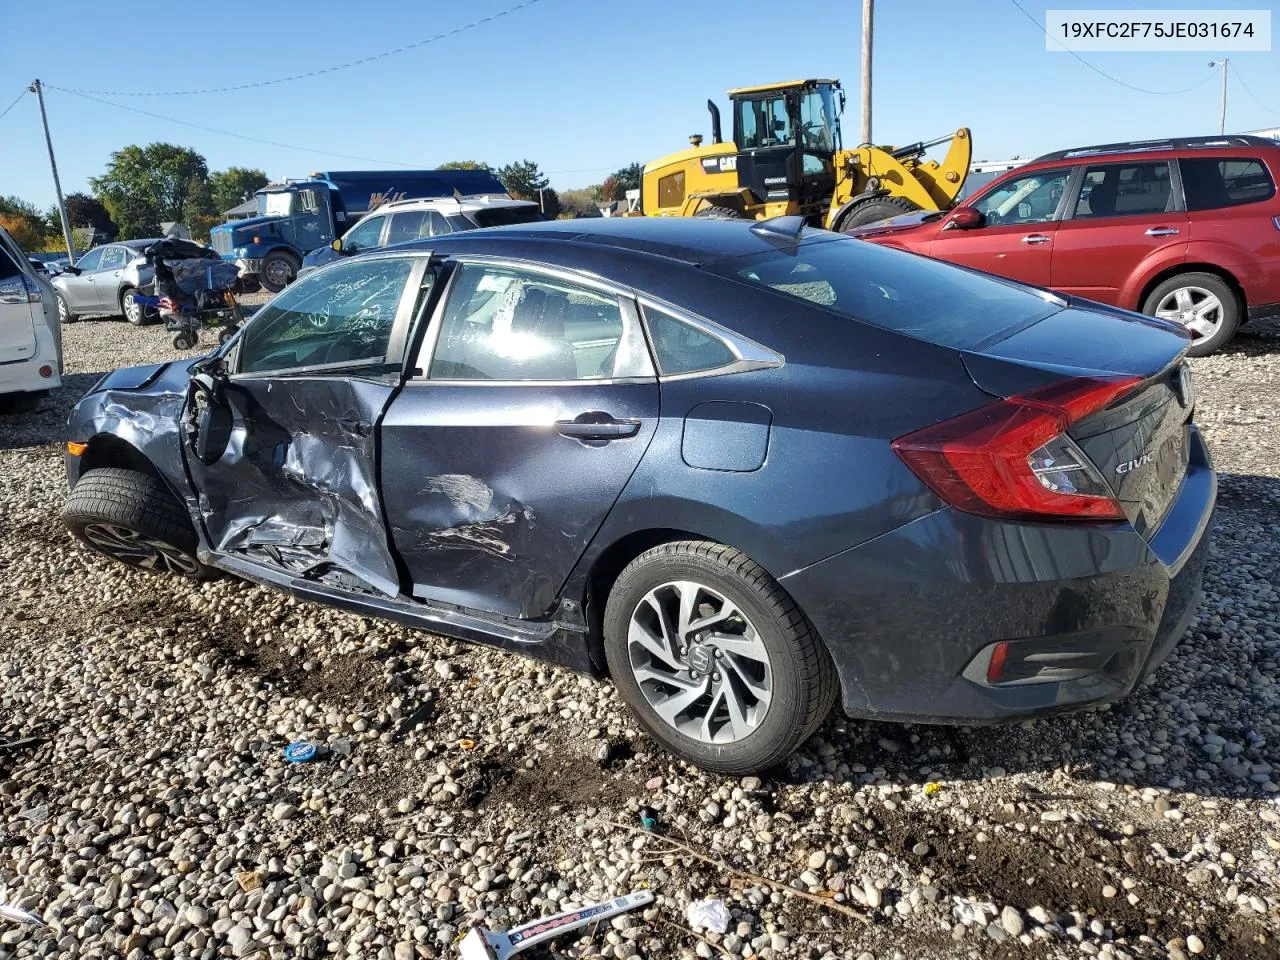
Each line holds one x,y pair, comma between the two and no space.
310,73
14,104
1098,70
227,133
1242,83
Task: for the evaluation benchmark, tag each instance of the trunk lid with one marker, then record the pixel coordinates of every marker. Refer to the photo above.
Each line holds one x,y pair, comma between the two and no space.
1139,444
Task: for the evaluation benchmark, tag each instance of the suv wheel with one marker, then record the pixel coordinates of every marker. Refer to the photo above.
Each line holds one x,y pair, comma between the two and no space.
717,662
129,516
1200,302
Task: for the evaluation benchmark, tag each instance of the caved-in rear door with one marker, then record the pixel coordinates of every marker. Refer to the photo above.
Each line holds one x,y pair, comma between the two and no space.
291,481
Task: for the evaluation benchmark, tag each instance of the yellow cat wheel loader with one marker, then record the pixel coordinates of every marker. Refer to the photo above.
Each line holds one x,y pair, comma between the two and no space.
787,158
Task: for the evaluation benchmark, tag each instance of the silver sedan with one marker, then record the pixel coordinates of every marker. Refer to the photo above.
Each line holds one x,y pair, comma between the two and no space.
106,281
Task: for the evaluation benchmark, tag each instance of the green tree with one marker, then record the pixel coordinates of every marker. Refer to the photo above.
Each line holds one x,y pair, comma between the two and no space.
579,203
523,179
83,211
198,210
465,165
143,186
617,184
234,185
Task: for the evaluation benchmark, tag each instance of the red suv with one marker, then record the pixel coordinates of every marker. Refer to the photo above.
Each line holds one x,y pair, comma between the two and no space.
1185,229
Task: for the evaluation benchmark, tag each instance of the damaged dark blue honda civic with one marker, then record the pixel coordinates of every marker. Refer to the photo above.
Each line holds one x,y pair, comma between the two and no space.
741,469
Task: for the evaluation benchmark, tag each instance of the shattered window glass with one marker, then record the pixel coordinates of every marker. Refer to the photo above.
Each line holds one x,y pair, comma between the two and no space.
340,315
504,324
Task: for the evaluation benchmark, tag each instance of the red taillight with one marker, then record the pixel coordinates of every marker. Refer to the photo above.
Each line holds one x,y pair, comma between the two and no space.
995,667
1013,460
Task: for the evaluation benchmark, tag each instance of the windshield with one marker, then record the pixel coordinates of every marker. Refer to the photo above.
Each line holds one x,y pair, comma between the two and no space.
502,216
897,291
817,119
275,204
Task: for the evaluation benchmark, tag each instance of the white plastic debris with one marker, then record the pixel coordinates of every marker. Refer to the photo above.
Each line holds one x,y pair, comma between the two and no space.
19,916
972,912
709,915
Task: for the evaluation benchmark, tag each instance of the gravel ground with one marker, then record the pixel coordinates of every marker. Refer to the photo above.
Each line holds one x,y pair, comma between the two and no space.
156,817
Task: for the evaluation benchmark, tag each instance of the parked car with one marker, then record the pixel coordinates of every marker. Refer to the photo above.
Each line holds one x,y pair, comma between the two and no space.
107,280
743,469
407,220
30,337
1185,229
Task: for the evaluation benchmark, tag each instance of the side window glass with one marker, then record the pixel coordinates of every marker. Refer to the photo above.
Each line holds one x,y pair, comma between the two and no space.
112,258
410,225
1121,190
1210,183
90,261
364,235
681,348
507,324
439,225
1032,198
342,315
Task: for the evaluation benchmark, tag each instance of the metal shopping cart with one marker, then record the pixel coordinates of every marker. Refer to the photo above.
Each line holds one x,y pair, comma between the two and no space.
193,288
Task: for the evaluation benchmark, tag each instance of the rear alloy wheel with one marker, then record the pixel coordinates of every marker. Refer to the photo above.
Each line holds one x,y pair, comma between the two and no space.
1203,304
716,661
131,517
135,312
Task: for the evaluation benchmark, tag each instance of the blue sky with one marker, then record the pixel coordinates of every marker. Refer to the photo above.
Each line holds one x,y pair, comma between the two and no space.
580,87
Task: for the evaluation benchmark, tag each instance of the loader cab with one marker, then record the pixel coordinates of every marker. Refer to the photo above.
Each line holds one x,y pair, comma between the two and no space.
787,135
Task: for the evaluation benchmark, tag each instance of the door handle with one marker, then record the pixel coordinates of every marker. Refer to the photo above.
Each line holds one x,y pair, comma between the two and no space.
1035,238
1162,231
597,426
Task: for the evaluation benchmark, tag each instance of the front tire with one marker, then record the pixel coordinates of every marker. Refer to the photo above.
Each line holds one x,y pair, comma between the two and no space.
279,269
132,518
64,309
133,311
1203,304
715,660
873,211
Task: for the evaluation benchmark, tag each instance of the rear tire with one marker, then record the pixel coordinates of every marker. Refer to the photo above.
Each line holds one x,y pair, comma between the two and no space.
767,681
279,269
132,518
719,213
1203,304
134,312
874,210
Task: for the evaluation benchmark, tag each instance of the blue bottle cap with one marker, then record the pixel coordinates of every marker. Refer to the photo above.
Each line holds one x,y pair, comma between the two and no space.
300,752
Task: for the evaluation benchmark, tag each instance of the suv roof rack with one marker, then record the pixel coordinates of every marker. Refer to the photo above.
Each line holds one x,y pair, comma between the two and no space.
1170,143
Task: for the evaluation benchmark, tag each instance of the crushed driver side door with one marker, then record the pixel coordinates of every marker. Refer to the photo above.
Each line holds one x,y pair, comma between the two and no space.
282,447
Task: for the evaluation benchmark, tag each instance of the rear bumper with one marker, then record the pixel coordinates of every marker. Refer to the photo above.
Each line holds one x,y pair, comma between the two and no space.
23,376
912,618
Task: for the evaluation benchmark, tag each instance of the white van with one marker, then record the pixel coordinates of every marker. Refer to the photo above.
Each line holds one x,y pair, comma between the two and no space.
30,335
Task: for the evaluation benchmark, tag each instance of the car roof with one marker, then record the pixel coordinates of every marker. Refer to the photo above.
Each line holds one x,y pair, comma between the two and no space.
690,240
1171,145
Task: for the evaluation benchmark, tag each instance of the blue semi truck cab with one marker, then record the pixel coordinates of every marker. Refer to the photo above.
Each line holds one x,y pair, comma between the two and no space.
298,216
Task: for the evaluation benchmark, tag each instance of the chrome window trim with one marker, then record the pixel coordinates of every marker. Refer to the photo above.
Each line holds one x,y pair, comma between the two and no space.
750,355
421,366
394,354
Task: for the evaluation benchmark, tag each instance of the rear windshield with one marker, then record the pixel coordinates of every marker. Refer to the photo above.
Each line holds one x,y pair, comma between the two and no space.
913,295
502,216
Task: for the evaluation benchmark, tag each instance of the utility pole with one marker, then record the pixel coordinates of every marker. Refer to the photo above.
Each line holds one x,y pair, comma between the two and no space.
53,165
866,69
1221,122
